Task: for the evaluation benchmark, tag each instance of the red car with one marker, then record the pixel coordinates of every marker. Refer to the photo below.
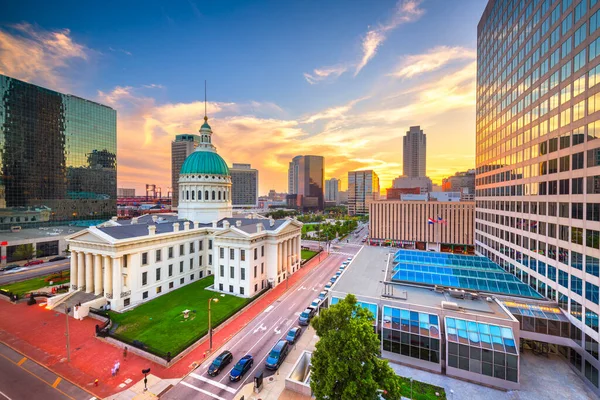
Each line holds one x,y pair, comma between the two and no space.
33,262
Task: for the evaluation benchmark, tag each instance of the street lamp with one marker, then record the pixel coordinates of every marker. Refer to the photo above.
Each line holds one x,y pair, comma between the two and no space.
146,372
209,323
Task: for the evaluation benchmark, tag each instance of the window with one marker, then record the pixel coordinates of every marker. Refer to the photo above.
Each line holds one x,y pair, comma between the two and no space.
191,277
170,270
170,252
222,271
158,274
255,268
191,263
579,35
564,186
181,250
577,210
591,293
221,287
171,284
192,247
564,163
563,278
262,268
262,251
200,261
577,186
592,238
210,244
576,285
158,255
241,290
593,211
210,259
145,295
144,258
232,254
231,272
243,274
592,265
125,261
593,157
181,267
201,245
577,161
243,255
126,302
144,278
221,252
159,288
255,254
181,281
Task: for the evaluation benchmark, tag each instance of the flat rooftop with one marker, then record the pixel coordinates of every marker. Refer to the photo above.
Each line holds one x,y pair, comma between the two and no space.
50,233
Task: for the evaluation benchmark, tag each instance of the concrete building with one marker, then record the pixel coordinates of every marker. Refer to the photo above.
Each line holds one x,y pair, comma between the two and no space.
306,175
244,185
414,160
343,194
126,263
406,182
406,223
460,181
395,193
181,148
363,186
332,190
537,157
123,192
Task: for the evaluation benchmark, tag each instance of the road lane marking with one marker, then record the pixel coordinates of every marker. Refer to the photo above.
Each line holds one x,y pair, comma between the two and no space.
268,308
262,327
214,383
206,392
22,361
56,382
292,306
5,396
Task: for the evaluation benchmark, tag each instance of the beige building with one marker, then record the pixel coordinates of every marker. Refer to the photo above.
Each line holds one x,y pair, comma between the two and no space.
407,222
363,186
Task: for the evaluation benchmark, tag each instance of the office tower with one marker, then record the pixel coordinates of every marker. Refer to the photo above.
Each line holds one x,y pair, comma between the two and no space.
244,185
414,153
332,189
181,147
306,175
57,157
423,183
461,182
537,157
363,187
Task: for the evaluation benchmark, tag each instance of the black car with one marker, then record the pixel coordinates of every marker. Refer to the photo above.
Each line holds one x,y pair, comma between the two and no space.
9,267
241,368
220,362
59,258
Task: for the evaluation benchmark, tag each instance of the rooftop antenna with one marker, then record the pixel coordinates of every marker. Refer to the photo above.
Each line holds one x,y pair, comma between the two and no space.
205,117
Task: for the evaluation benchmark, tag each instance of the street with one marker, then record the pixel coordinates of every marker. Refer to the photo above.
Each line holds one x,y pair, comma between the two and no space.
46,268
258,337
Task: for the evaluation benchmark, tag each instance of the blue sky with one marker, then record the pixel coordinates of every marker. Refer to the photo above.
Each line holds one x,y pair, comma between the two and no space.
344,79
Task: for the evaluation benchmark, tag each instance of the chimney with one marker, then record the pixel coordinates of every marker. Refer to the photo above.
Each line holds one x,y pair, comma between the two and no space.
154,218
176,227
134,220
186,226
238,223
271,222
151,230
259,227
226,224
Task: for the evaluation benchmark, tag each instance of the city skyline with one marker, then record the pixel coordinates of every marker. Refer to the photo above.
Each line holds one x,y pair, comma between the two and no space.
356,84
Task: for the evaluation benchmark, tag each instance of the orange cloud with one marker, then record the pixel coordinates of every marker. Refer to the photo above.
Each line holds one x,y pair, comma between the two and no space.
433,60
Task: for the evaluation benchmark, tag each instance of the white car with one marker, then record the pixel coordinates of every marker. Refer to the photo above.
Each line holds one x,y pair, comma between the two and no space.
315,303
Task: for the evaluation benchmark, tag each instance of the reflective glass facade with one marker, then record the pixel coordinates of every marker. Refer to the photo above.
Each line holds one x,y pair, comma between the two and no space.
369,306
57,157
363,186
306,178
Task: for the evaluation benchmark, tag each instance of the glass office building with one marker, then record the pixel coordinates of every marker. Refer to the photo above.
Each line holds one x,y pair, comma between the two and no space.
306,177
538,157
57,157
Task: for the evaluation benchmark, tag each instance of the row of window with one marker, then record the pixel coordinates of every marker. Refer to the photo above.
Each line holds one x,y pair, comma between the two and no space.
158,289
171,251
170,271
242,253
215,195
242,271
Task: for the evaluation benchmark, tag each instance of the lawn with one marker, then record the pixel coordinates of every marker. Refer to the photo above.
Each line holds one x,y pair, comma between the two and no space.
421,390
160,325
308,254
31,285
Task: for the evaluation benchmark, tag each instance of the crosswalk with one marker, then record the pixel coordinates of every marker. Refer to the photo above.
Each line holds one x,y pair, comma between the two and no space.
342,253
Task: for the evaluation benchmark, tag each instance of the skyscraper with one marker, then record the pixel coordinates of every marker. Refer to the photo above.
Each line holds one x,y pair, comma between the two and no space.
363,186
332,189
244,185
181,147
306,175
414,153
57,156
538,157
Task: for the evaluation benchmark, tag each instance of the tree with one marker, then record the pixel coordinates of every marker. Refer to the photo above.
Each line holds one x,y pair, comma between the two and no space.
346,363
25,252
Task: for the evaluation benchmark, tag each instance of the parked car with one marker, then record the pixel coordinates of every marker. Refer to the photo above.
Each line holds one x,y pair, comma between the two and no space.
277,355
9,267
242,366
328,286
59,258
333,279
342,267
315,303
306,316
338,273
349,259
322,295
293,334
220,363
33,262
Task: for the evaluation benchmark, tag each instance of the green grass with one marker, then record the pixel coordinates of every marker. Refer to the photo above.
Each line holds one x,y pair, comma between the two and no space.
31,285
159,323
421,390
308,254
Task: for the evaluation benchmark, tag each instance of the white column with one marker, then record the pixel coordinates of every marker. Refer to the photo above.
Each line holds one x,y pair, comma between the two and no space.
108,290
117,282
279,257
97,274
80,271
89,273
73,270
286,260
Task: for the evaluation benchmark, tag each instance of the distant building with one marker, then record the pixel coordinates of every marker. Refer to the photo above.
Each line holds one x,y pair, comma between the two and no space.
405,182
414,153
332,189
244,185
181,147
343,196
306,183
395,193
363,186
123,192
460,181
436,188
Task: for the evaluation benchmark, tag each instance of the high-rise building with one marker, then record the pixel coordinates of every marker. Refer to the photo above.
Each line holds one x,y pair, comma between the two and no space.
414,153
405,182
306,175
363,186
332,190
244,185
181,147
459,181
57,157
538,157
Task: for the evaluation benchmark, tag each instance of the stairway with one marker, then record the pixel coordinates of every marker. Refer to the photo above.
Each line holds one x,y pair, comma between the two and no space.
78,298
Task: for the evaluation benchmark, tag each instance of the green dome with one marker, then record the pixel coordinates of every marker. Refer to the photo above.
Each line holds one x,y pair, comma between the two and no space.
204,163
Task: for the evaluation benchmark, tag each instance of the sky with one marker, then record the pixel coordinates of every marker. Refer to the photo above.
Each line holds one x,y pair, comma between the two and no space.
341,79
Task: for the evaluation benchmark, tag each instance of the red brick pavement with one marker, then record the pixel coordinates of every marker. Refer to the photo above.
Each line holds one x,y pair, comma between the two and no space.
39,334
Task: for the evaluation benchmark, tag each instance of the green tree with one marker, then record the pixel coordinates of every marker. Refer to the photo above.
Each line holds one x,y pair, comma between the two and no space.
25,252
346,363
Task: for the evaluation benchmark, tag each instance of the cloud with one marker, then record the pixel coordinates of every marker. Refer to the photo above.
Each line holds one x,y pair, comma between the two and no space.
153,86
433,60
32,54
334,112
325,73
406,11
120,51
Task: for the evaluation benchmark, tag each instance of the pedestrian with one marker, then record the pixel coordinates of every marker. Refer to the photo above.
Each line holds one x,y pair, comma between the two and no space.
125,353
118,366
113,371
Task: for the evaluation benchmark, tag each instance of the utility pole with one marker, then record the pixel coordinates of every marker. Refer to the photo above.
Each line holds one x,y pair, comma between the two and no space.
67,310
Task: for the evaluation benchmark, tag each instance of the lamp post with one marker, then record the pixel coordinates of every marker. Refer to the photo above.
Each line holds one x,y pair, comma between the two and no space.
209,323
67,311
146,372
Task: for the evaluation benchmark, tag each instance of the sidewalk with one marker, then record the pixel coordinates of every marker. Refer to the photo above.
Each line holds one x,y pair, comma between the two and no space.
40,335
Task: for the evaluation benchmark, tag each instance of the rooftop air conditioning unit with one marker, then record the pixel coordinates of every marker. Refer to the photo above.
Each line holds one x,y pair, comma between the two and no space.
457,294
448,305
